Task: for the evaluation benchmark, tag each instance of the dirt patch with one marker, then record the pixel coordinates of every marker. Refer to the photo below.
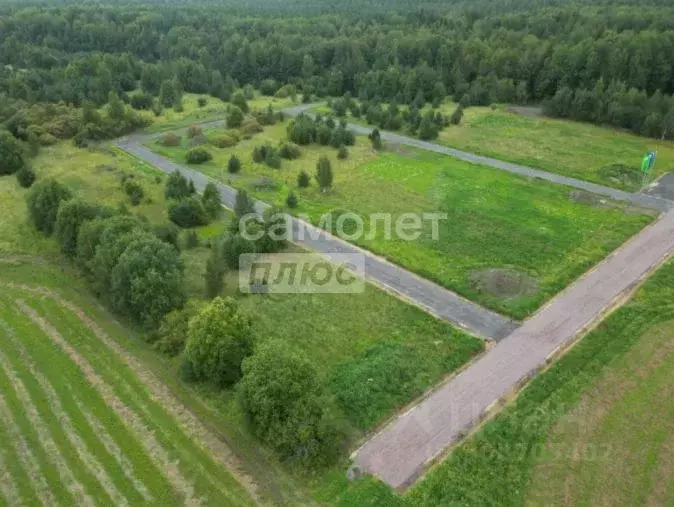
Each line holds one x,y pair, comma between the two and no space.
588,198
401,149
526,111
503,283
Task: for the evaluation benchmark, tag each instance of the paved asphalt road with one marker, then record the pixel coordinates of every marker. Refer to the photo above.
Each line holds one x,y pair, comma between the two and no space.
439,301
646,201
400,452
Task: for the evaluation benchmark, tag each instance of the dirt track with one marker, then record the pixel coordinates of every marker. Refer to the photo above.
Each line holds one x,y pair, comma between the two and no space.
401,451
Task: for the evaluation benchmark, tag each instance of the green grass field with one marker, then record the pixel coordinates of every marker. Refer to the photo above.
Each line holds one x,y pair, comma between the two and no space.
578,150
495,220
593,429
84,422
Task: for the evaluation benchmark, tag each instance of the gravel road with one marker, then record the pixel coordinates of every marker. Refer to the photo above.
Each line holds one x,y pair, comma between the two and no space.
433,298
401,451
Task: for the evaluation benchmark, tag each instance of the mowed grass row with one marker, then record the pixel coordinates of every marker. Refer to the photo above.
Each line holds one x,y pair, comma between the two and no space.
574,149
595,428
85,428
494,220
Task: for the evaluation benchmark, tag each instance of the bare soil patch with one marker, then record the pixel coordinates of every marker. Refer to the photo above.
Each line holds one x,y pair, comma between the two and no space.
526,111
504,283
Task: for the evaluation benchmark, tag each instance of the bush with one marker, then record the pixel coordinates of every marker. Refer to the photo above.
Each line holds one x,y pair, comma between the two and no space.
259,153
303,179
219,338
273,160
233,164
251,127
198,140
198,156
11,153
134,191
26,176
202,101
194,131
457,115
171,139
268,87
147,282
235,117
233,247
172,333
188,213
215,272
168,233
43,202
142,101
211,200
191,239
71,215
285,405
224,141
324,174
177,186
291,200
342,153
239,100
290,151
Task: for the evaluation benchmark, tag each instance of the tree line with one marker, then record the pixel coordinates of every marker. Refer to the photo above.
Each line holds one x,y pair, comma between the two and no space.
79,55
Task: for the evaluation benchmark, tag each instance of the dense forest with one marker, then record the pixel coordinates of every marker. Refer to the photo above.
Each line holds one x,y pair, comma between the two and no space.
601,62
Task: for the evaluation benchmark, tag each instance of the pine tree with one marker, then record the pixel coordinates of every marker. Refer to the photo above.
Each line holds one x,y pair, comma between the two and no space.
324,174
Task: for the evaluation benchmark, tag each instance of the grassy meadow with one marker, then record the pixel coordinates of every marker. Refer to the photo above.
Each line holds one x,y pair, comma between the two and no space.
532,232
574,149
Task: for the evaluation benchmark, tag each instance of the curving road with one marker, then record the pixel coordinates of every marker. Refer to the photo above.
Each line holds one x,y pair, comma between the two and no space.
427,295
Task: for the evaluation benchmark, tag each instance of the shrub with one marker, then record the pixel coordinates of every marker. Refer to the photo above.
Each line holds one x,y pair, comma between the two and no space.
202,101
224,141
198,140
375,138
188,213
147,282
233,164
194,131
168,233
177,186
171,139
259,154
457,115
143,101
211,200
303,179
273,160
11,153
215,272
235,117
43,201
198,156
251,127
26,176
239,100
172,333
191,239
233,247
134,191
324,174
71,215
219,338
290,151
342,153
268,87
285,404
291,200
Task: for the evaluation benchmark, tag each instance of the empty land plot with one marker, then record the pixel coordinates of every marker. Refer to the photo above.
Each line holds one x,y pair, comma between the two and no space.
80,425
508,243
574,149
594,428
